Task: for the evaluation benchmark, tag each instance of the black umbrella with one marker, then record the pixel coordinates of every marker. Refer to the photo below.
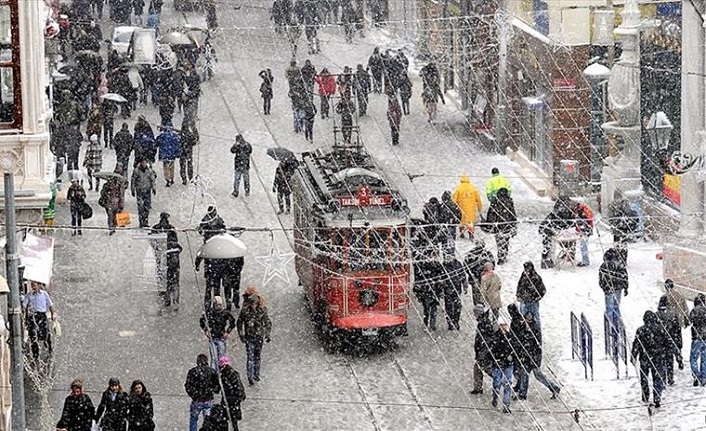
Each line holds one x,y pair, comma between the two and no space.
281,154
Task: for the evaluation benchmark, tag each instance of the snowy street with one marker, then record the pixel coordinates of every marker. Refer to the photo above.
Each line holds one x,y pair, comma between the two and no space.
113,324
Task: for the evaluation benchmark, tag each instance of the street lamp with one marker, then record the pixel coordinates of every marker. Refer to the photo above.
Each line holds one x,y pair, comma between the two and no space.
659,128
596,74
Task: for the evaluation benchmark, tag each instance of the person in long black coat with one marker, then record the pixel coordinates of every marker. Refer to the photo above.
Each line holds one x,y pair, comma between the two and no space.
217,420
562,217
112,410
474,261
449,214
78,411
503,222
613,280
140,416
233,390
481,346
428,289
455,283
650,348
671,324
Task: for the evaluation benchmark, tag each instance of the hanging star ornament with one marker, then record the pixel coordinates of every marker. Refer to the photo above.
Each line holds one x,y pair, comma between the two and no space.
275,264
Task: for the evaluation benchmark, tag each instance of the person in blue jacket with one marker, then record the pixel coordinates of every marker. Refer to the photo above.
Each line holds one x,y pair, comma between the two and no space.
169,145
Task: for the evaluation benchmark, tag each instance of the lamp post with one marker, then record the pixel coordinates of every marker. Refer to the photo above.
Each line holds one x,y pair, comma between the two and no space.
659,129
597,74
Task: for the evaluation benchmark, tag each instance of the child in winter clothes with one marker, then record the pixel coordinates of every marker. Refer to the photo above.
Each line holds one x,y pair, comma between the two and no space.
93,161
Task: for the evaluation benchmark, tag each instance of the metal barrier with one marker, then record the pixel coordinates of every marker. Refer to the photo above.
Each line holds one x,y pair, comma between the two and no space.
616,343
582,342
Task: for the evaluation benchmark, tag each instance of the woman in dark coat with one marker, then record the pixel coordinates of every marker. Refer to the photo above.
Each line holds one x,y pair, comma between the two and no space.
266,89
233,390
140,408
78,410
503,222
112,410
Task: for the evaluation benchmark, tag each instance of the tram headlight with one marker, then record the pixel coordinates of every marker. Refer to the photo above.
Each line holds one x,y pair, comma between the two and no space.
368,297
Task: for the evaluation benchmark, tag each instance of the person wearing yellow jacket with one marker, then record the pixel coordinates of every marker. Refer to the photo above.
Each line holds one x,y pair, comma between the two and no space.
468,199
495,183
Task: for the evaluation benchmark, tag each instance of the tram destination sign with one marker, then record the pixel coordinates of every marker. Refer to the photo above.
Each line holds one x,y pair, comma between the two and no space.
364,200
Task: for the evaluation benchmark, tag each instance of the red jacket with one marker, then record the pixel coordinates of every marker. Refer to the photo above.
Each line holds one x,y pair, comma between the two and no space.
327,84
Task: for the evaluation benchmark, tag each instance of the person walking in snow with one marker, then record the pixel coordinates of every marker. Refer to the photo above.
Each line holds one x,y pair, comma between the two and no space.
495,183
455,284
501,220
78,411
327,88
584,228
142,187
376,68
254,328
503,355
283,188
530,290
697,356
77,198
468,200
427,289
93,161
490,286
266,90
394,117
649,348
474,262
241,151
345,108
111,413
140,416
672,350
217,324
201,384
485,331
233,390
169,144
613,280
676,303
361,86
405,87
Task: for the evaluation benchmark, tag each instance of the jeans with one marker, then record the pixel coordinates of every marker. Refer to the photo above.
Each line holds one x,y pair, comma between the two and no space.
297,119
195,410
503,377
266,105
75,219
583,246
697,358
186,168
478,370
523,381
144,204
168,166
612,310
217,348
253,347
531,307
245,174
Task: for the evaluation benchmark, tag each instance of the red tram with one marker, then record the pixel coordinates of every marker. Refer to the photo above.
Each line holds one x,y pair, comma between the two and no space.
351,231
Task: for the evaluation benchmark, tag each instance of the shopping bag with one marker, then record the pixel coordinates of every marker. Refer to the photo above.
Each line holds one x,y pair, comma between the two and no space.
56,328
86,211
122,219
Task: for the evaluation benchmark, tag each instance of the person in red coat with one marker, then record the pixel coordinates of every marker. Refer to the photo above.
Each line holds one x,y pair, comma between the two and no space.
394,116
327,88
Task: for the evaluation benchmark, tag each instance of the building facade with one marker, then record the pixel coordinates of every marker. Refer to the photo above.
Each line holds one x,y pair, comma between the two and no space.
24,109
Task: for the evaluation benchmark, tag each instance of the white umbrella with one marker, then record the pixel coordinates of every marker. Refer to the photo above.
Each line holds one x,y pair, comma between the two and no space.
223,246
115,97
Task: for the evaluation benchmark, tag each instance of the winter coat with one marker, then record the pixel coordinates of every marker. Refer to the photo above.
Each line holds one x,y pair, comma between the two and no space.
562,217
253,323
94,125
189,139
282,180
697,317
78,413
521,337
584,219
143,180
427,282
621,217
123,143
490,285
211,224
201,383
612,274
145,145
501,350
140,414
266,89
530,287
669,322
677,305
169,145
449,212
113,193
651,342
495,183
76,195
485,332
327,84
394,113
220,322
112,412
74,140
375,64
501,217
345,108
455,281
94,157
233,391
467,198
241,155
308,73
362,82
430,211
405,87
474,261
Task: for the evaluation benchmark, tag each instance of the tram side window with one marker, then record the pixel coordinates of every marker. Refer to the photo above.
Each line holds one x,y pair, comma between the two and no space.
338,240
379,240
398,254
